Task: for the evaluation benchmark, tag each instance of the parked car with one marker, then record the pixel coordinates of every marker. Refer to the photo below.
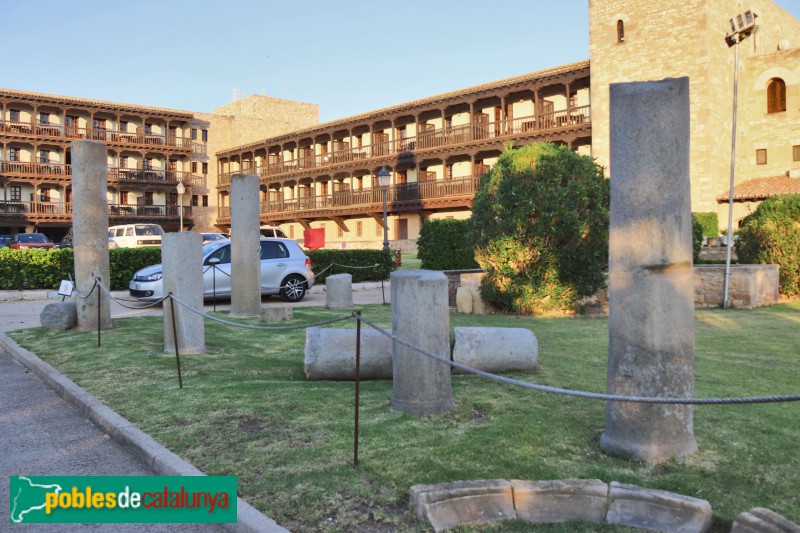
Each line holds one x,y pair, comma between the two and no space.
4,240
22,241
272,231
285,270
136,235
66,241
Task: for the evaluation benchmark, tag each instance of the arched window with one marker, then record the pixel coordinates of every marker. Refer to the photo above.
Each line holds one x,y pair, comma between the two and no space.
620,31
776,96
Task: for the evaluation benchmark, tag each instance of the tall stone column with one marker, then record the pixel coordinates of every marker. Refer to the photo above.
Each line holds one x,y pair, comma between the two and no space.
90,230
182,267
651,284
420,316
245,246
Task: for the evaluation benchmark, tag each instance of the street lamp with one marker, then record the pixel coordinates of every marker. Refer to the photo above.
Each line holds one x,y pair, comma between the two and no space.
741,26
181,189
384,177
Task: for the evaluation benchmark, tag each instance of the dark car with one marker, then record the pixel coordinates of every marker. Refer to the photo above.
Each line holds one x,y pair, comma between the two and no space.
4,240
23,241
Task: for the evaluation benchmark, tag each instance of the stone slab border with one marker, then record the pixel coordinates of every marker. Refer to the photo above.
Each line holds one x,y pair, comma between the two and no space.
141,445
447,505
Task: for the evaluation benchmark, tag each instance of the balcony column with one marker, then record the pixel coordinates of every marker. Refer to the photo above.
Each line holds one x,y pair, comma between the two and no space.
569,105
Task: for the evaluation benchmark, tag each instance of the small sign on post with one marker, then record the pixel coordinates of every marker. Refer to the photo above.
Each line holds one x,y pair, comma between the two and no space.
66,288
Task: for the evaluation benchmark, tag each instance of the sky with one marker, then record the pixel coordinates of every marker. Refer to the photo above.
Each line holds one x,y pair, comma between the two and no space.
349,57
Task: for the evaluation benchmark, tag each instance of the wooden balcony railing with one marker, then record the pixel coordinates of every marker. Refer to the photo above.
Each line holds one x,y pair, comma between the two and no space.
35,208
370,198
147,211
19,168
97,134
426,140
15,207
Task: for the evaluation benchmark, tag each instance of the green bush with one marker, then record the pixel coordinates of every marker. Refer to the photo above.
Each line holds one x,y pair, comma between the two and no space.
708,222
540,226
444,244
772,235
341,259
44,269
697,237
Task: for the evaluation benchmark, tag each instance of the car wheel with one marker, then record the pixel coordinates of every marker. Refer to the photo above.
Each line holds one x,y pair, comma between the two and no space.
293,288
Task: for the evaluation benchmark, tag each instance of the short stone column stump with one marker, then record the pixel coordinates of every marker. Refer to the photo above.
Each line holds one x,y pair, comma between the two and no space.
339,291
760,520
495,349
276,314
60,315
331,354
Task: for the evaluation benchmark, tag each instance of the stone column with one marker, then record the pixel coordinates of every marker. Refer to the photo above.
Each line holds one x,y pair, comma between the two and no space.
182,267
339,291
245,246
420,316
90,231
651,284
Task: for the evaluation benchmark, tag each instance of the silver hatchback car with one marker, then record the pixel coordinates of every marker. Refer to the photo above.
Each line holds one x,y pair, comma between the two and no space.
285,270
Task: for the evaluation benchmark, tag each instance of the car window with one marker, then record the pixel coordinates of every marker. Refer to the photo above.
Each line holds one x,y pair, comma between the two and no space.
273,250
223,254
121,232
129,232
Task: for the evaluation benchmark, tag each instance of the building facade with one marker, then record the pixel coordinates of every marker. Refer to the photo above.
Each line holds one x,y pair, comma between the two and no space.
150,151
641,40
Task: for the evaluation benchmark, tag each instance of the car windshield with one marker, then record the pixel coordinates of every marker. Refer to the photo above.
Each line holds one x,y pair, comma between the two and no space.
211,246
148,229
32,238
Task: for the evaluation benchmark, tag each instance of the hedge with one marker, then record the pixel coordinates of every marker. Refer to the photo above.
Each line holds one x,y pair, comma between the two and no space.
44,269
364,260
445,244
708,221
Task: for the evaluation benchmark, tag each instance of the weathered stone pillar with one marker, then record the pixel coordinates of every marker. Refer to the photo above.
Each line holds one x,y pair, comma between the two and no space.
90,230
651,289
245,246
182,267
339,291
420,316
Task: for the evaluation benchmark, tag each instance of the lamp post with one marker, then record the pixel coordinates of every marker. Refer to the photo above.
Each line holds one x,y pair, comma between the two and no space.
181,189
742,26
384,177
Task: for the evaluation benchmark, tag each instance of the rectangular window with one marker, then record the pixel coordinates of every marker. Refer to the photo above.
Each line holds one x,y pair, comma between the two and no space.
761,156
13,154
148,163
99,123
172,198
148,129
194,134
44,195
359,228
44,118
205,200
194,200
796,152
13,115
148,198
340,231
123,126
123,197
123,161
44,156
205,136
16,193
194,167
205,168
378,229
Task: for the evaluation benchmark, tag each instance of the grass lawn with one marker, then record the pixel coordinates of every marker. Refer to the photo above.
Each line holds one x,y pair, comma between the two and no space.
410,261
247,410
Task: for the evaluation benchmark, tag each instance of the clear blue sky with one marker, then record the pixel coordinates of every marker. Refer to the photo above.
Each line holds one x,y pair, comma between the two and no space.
349,57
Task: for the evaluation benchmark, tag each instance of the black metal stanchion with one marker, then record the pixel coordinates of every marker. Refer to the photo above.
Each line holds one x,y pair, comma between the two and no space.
99,312
357,315
175,340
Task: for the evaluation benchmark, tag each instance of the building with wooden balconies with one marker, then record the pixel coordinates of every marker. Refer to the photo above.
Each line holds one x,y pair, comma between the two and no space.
436,149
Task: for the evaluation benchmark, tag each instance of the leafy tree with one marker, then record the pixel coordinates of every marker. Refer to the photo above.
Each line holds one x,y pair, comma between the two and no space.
444,244
772,235
540,226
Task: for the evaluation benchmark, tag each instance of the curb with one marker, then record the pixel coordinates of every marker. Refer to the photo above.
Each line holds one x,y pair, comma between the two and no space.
141,445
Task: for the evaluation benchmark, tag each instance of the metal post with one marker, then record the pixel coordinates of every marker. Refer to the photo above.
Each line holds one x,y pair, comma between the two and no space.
729,243
99,311
357,315
175,340
385,223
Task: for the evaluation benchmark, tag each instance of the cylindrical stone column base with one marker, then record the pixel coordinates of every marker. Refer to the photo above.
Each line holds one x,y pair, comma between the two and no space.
420,316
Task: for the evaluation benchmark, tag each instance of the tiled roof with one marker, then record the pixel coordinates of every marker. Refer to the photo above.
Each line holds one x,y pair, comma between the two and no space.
762,188
540,74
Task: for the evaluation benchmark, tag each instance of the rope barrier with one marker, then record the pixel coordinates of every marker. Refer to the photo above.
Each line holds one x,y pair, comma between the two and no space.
121,302
581,394
75,286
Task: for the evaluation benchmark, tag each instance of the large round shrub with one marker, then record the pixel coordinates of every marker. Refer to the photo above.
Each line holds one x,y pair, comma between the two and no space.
772,235
540,226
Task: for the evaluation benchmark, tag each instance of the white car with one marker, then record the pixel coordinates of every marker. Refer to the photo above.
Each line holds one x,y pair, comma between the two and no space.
285,270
